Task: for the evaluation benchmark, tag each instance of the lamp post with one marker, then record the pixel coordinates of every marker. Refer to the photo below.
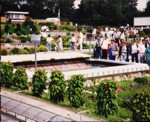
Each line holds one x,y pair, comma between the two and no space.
35,39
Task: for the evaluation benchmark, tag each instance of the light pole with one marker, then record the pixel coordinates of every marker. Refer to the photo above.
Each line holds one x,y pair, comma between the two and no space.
35,39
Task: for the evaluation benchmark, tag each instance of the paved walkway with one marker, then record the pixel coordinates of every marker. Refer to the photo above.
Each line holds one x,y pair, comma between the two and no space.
47,106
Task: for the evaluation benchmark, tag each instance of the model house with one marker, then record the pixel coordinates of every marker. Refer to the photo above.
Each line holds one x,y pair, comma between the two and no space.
15,16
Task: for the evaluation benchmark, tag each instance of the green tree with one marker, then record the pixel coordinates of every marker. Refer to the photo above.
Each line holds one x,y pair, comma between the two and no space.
57,86
18,28
106,97
107,12
39,82
6,73
20,79
147,9
6,28
75,90
140,107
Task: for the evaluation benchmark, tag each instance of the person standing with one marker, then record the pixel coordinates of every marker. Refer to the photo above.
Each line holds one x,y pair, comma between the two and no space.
147,54
97,49
49,40
123,51
59,44
141,49
134,51
73,41
105,43
113,50
81,37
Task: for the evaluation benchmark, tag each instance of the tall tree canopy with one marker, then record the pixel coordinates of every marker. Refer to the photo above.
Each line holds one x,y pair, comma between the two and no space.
40,9
108,12
147,9
90,12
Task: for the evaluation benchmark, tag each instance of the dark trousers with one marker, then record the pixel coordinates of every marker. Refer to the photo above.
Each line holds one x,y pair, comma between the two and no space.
104,54
134,57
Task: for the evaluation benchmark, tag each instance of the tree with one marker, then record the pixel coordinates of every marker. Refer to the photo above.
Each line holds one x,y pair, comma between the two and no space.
147,9
107,12
20,79
39,82
57,86
140,107
6,73
9,5
6,28
75,90
18,28
106,97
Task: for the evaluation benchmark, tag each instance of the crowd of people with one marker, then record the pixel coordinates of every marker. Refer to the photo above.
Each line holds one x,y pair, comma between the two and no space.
114,44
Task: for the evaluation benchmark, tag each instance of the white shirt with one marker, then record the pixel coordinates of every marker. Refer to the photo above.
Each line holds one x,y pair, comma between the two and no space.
134,48
73,39
141,48
105,43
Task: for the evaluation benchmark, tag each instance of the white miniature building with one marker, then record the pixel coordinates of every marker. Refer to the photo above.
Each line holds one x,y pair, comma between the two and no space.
15,16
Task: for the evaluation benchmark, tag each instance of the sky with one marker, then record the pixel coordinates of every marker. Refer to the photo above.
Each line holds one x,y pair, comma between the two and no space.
141,4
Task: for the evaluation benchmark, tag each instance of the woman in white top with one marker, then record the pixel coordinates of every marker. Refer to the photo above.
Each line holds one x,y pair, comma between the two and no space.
81,37
59,44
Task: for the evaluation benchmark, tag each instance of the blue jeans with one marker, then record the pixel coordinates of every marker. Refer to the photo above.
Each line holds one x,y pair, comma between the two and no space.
72,45
48,46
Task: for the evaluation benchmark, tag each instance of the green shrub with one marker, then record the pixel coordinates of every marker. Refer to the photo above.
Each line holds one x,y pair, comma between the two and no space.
126,95
27,49
3,52
24,39
18,33
141,80
140,107
66,39
6,73
68,27
132,36
42,48
147,31
18,28
43,41
66,45
15,50
75,90
57,86
31,50
53,45
21,51
8,40
68,33
107,100
142,33
124,113
25,32
39,82
6,29
85,46
20,79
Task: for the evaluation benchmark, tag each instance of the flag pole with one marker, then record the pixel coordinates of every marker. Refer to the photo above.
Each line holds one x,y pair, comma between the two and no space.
59,16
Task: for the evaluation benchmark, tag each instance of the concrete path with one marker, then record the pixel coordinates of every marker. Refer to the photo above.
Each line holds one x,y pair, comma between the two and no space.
48,106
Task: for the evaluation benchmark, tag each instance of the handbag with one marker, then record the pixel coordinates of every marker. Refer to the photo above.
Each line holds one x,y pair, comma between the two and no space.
114,53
